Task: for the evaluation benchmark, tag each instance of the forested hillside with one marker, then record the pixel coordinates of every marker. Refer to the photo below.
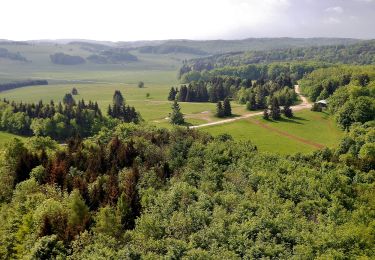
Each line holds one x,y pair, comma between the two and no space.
141,192
360,53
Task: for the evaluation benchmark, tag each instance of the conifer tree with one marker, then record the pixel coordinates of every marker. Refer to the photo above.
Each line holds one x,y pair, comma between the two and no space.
176,117
275,109
219,109
172,94
183,93
227,110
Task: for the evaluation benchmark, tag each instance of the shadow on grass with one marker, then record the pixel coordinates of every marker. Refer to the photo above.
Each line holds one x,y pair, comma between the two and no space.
300,118
287,120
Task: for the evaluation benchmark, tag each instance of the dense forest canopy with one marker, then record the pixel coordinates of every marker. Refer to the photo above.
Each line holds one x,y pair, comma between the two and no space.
359,53
144,192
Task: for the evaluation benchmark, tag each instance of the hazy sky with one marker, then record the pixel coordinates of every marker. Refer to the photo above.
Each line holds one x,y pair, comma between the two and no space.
123,20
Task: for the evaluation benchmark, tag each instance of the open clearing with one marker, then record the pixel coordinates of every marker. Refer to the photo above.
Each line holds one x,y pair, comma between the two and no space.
306,132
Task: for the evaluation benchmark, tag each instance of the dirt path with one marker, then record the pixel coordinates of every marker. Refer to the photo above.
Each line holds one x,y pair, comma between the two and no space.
304,105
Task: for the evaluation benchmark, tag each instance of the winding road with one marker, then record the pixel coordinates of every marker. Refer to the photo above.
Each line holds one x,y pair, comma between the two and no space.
304,105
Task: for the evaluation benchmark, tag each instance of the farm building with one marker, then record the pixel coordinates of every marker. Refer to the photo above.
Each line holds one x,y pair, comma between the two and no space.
322,103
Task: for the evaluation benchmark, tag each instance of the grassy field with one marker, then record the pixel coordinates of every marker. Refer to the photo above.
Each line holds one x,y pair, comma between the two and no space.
306,132
6,137
97,82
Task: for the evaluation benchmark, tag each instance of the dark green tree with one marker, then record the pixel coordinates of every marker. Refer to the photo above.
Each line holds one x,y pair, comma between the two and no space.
118,99
288,111
172,94
275,109
219,109
227,110
74,91
68,100
182,94
141,84
176,117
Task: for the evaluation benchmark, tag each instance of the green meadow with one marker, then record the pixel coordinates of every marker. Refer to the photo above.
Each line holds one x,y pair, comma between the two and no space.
303,133
97,82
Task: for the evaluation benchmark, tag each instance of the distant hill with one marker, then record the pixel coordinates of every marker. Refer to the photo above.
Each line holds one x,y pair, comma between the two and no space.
255,44
65,59
166,49
116,55
212,46
5,54
362,53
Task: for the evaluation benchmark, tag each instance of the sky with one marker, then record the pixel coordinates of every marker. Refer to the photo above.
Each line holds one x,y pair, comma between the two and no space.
125,20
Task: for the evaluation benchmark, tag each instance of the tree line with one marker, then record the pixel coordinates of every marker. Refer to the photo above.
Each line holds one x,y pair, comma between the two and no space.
349,91
64,119
360,53
20,84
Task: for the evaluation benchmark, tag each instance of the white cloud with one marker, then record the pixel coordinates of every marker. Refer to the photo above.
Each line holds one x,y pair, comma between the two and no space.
335,9
332,20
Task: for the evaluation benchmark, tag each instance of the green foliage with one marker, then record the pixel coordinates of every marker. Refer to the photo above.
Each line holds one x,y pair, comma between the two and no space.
48,247
74,91
227,110
176,117
141,84
38,173
107,222
122,111
180,193
275,109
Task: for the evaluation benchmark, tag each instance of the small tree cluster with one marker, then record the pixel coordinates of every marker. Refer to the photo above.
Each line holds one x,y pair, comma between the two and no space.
122,111
172,94
223,109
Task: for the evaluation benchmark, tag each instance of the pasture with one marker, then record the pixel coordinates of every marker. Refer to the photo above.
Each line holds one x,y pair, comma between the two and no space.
97,82
306,132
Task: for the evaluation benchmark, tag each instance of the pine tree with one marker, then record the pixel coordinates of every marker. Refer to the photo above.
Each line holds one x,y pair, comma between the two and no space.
176,117
118,99
212,97
275,109
227,110
219,109
172,94
190,96
109,111
67,100
182,94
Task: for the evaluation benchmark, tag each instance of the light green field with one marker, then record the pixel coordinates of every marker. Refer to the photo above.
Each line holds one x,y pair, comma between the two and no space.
6,137
97,82
317,128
